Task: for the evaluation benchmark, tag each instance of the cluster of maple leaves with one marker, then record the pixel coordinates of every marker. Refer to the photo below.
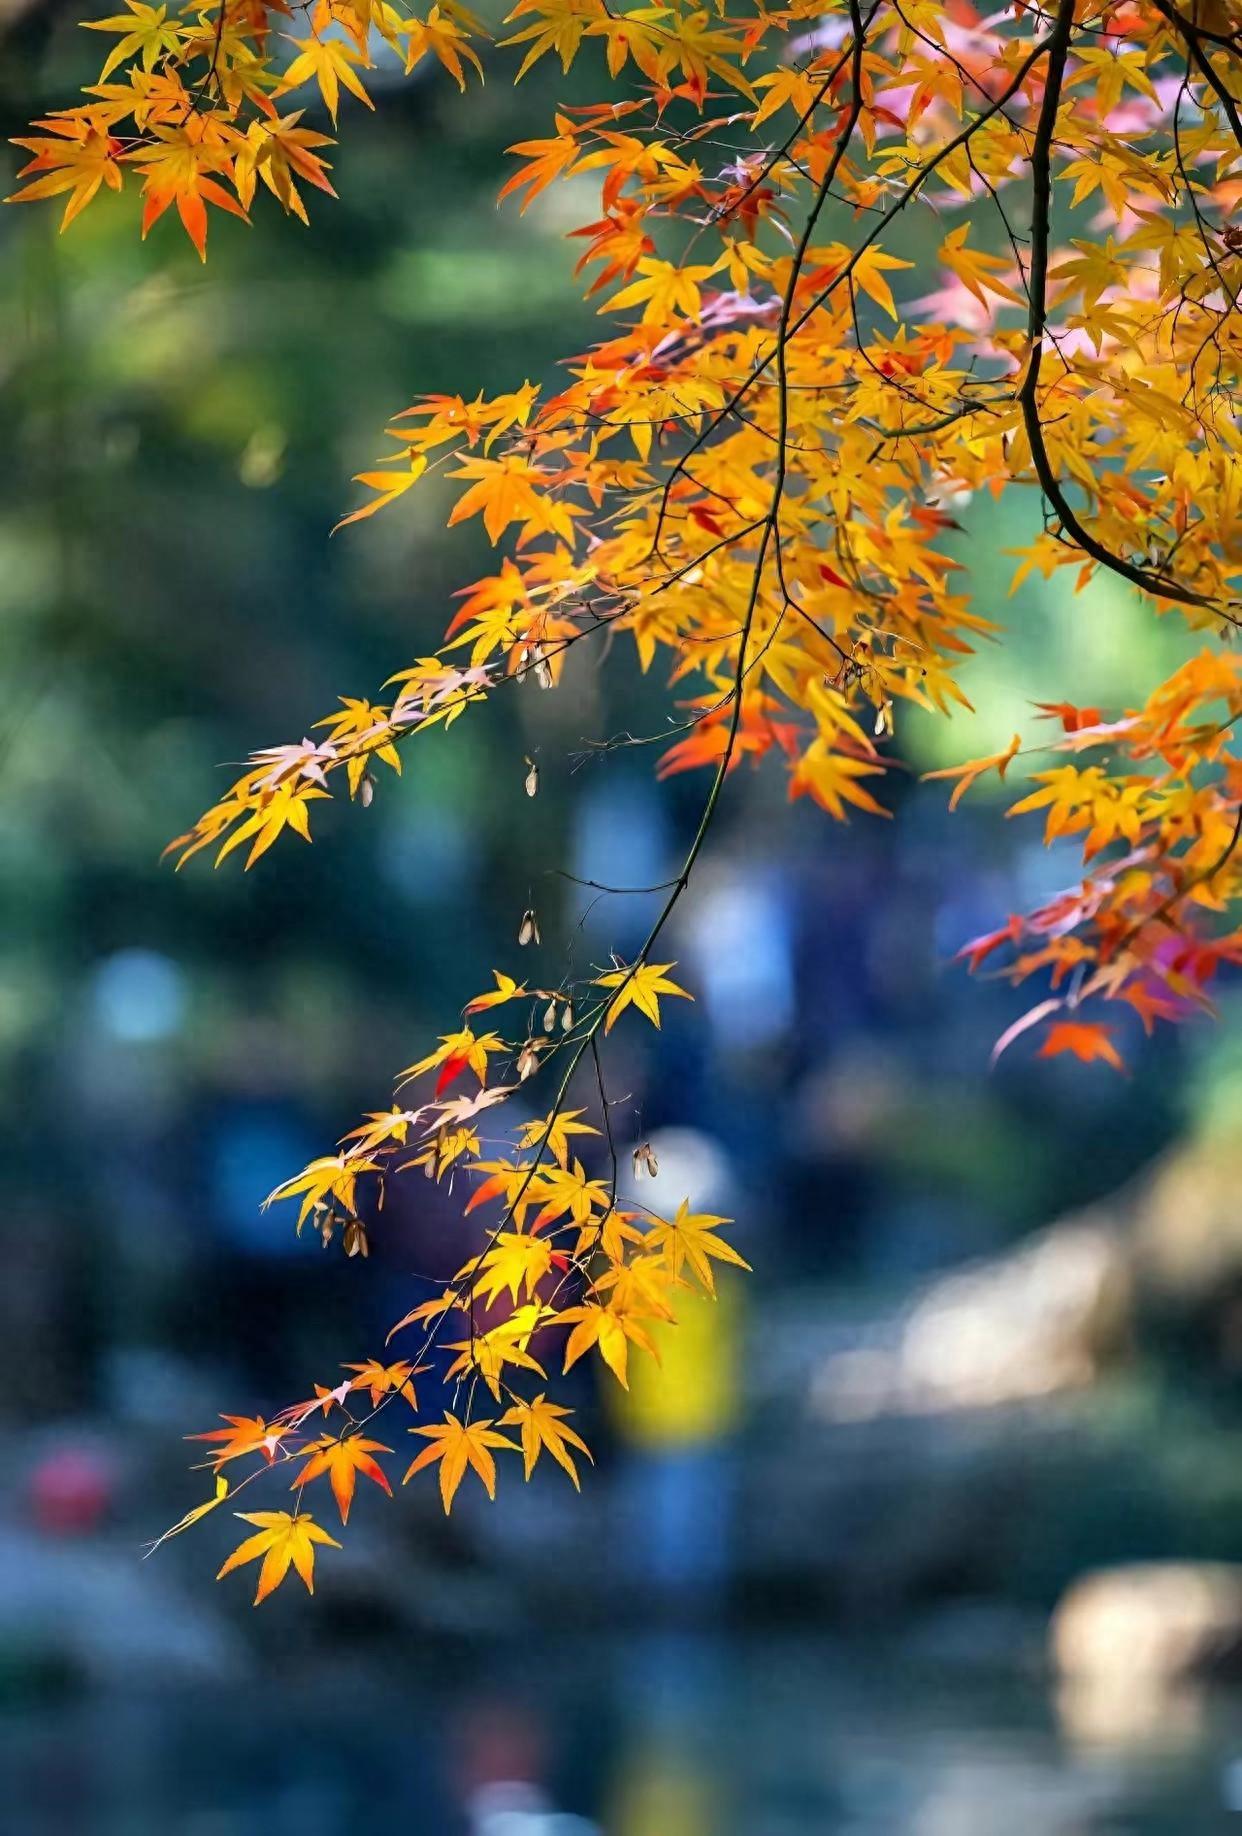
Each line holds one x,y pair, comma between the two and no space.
754,474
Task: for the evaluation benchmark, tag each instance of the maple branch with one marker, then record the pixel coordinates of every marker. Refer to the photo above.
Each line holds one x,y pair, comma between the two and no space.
1195,36
587,1039
1168,905
909,192
1162,585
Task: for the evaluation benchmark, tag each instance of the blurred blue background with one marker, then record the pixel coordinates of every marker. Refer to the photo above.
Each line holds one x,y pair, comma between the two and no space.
831,1579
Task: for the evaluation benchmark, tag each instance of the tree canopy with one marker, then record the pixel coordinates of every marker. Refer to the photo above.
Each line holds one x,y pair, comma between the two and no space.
866,262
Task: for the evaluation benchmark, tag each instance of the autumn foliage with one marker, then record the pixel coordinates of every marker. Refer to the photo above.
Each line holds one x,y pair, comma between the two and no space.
752,477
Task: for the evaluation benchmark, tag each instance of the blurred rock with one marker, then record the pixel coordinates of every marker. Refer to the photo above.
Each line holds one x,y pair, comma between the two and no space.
1161,1620
100,1615
1185,1220
1043,1318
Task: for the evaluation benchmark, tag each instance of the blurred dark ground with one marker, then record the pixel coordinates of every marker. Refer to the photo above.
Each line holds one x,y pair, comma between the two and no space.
994,1336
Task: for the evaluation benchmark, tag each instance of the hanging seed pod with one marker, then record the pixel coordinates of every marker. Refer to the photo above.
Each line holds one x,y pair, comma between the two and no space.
528,930
528,1062
543,672
532,778
355,1240
549,1016
645,1162
366,791
567,1017
523,664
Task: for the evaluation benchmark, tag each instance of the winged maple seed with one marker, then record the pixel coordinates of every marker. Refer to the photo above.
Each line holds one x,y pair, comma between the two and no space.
752,476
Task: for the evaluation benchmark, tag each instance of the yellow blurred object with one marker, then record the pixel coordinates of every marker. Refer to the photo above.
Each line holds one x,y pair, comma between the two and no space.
662,1793
691,1396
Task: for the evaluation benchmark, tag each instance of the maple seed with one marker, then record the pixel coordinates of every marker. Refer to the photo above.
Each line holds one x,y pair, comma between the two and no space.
528,930
532,778
645,1161
355,1239
549,1016
567,1017
528,1062
366,791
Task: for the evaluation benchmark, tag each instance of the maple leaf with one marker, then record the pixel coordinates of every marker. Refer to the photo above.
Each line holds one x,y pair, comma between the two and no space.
432,1309
868,274
331,1177
974,769
639,986
510,490
665,290
610,1328
177,165
487,1353
455,1053
342,1460
146,33
329,63
278,152
542,1425
559,28
1150,1004
546,160
388,485
383,1126
282,1540
463,1109
445,40
506,989
1085,1039
566,1191
245,1434
458,1445
976,270
831,778
556,1130
384,1380
286,807
80,162
691,1237
618,240
514,1261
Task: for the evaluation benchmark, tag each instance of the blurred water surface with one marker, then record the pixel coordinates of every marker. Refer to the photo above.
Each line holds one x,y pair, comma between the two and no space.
655,1737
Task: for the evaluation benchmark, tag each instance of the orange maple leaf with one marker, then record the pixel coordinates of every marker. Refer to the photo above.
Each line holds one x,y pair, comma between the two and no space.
342,1460
1086,1039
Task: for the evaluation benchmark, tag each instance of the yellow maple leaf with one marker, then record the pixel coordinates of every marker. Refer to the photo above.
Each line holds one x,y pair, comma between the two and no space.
331,64
610,1328
283,1540
79,162
639,986
691,1237
146,33
458,1445
542,1424
974,769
